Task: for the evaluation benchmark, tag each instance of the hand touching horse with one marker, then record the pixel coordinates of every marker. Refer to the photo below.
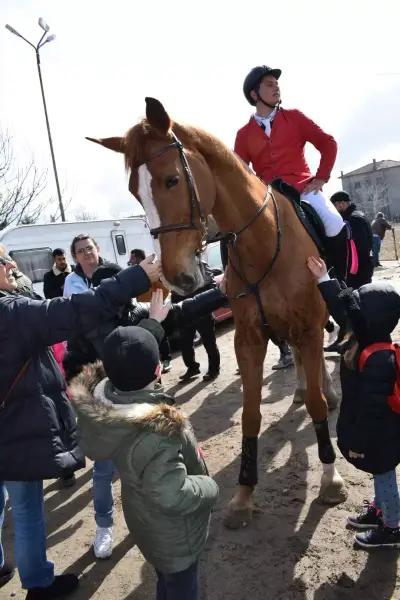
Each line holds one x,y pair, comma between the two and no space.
181,175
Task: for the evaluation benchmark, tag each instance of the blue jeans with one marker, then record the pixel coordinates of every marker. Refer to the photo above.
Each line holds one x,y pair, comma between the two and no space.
376,248
103,472
387,498
26,499
178,586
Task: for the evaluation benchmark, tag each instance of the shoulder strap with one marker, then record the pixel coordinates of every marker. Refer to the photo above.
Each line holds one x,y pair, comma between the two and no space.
366,353
14,383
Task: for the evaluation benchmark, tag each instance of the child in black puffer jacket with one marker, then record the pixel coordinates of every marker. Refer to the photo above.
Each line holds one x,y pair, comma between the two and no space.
368,428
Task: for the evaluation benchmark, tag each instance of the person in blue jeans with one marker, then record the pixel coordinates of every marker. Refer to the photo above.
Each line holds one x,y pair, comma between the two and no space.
368,426
37,423
85,252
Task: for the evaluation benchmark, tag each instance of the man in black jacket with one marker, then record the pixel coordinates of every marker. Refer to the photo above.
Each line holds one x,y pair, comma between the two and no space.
53,280
360,232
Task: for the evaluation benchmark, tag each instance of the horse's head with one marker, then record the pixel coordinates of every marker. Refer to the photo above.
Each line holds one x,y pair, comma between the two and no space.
176,188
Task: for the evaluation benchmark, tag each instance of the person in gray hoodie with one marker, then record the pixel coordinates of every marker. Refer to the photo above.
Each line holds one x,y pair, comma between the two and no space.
167,494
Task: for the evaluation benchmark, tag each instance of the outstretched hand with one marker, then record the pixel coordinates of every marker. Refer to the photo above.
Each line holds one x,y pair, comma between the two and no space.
158,308
152,269
317,266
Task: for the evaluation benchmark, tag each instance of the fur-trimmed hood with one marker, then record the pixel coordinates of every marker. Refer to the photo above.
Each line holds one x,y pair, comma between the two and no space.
140,411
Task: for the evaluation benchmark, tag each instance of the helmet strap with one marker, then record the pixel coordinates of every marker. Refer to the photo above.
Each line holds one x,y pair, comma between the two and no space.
266,103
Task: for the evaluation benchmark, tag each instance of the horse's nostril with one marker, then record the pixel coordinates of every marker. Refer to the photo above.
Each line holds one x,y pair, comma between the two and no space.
185,282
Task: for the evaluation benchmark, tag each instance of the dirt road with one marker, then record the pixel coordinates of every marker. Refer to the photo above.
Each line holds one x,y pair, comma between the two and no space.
295,549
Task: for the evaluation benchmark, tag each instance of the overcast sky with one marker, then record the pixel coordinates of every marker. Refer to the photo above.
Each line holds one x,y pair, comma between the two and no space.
340,63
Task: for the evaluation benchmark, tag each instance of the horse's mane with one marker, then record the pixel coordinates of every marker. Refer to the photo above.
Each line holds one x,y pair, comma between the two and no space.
192,137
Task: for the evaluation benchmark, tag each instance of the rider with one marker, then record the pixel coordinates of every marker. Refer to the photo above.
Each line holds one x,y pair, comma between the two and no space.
273,142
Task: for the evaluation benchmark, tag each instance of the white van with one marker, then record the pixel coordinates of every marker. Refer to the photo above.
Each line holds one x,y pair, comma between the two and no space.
31,246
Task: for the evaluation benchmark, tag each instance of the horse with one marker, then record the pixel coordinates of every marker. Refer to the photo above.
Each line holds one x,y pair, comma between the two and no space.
181,175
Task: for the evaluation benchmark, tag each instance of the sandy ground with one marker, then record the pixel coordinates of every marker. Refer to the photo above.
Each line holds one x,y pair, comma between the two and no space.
295,549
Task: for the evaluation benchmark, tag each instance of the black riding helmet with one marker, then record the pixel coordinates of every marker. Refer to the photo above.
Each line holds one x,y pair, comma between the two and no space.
253,80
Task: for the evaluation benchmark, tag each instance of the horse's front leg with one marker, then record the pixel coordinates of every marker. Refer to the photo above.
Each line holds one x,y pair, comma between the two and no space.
332,489
250,349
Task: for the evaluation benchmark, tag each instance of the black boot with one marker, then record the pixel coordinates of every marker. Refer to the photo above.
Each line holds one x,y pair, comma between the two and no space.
62,586
191,372
337,253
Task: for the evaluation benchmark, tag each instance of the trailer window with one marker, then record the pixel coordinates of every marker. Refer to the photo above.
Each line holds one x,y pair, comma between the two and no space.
120,243
34,263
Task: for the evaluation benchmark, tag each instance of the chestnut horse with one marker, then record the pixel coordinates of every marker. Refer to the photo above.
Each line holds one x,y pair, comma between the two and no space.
181,174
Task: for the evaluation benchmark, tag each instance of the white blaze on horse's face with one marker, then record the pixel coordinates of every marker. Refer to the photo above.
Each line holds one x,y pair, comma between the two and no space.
145,193
146,196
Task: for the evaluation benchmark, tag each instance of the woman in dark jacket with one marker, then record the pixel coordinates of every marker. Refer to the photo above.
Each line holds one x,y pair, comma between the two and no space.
37,425
368,428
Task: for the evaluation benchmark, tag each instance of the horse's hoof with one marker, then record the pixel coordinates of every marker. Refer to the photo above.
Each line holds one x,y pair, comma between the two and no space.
299,396
332,399
238,518
332,491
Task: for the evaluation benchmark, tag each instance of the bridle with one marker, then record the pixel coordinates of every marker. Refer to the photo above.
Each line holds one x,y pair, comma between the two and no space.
194,201
231,238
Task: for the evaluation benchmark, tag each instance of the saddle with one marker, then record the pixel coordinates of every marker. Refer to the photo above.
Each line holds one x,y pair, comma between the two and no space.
308,217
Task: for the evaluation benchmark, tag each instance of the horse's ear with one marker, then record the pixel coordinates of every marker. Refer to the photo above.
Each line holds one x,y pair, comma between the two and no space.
112,143
157,116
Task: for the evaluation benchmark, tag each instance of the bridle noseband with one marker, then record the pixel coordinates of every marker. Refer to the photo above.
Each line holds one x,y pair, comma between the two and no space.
194,201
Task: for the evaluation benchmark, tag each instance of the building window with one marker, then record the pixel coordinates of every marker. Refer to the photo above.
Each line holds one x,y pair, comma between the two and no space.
379,180
120,243
357,185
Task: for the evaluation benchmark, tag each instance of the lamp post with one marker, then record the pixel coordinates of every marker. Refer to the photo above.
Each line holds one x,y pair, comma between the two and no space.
44,40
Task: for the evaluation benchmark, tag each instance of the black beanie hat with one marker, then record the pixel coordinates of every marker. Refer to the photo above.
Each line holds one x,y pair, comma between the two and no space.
130,358
340,197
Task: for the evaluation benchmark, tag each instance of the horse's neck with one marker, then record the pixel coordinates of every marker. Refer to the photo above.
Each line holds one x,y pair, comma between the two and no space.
239,196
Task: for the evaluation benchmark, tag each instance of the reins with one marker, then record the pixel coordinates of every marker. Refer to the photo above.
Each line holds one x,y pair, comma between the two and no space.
232,238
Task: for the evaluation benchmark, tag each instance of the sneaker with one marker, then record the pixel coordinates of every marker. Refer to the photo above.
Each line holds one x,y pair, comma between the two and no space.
210,375
103,542
368,518
166,366
333,347
6,573
190,373
382,537
286,360
62,586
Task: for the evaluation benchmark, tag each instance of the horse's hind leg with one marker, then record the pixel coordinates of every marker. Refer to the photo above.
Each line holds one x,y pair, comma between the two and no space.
332,489
250,346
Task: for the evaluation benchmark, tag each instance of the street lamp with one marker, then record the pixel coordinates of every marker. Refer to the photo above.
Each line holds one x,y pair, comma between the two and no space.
44,40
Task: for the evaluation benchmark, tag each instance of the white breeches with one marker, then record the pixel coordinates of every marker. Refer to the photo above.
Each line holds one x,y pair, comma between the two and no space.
328,214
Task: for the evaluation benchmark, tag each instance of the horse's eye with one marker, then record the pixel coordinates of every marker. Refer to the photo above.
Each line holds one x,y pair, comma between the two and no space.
171,181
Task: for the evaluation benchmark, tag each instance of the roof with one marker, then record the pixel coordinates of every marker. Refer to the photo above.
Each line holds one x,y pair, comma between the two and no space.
371,167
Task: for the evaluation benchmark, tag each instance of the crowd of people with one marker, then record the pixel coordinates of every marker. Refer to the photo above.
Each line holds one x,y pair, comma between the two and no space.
81,376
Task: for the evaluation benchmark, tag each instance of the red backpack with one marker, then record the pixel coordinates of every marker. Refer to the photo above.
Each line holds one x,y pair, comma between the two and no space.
394,398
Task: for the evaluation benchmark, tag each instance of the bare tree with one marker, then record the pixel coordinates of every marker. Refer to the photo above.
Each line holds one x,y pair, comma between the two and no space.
372,196
84,215
20,188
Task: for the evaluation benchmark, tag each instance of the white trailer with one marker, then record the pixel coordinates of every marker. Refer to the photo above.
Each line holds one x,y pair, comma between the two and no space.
31,245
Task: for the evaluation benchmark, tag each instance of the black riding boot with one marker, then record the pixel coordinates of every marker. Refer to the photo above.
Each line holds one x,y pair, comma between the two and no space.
337,253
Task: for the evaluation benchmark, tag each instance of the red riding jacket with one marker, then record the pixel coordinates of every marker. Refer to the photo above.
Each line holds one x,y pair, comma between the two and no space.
282,154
